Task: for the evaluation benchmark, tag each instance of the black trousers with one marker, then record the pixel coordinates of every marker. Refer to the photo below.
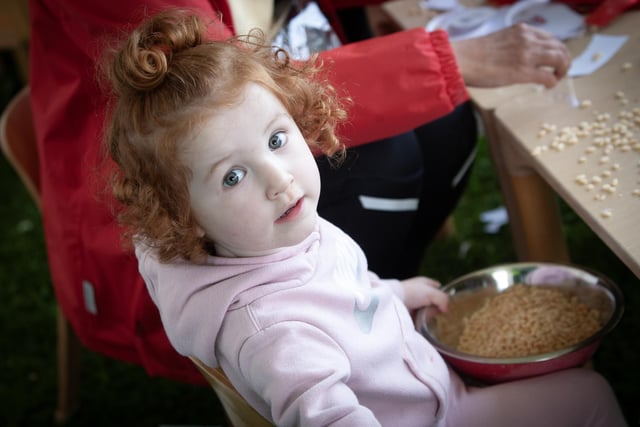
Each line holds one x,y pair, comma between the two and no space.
393,195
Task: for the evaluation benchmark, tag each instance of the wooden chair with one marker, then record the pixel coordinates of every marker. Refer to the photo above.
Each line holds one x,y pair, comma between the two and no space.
18,143
14,33
238,411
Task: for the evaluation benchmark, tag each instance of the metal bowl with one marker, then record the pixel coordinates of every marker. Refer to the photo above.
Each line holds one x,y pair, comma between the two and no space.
590,287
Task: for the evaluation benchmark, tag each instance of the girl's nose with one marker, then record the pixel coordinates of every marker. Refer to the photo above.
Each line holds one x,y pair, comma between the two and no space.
277,178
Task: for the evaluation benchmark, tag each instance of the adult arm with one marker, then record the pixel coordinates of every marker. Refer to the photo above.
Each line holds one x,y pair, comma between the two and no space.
396,82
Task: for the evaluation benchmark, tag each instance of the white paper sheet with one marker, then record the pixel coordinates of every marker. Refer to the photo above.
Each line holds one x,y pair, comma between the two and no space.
600,50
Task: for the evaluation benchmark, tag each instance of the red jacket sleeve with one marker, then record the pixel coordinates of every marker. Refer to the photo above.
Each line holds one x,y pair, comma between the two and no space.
397,83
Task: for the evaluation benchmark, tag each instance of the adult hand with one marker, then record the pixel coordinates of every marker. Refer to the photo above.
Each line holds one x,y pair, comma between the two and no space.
518,54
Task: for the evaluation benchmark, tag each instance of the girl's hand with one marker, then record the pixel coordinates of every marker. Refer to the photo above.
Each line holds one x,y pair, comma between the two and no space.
421,291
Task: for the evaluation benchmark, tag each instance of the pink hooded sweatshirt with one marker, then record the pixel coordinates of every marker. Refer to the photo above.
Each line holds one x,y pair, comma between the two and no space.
308,335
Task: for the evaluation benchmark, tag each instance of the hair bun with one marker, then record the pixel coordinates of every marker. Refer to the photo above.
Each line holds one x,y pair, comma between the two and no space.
145,61
148,68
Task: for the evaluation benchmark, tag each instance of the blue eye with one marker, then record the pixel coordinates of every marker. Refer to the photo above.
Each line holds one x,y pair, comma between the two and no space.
277,140
233,177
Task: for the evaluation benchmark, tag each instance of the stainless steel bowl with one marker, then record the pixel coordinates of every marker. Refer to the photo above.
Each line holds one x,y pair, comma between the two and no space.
590,287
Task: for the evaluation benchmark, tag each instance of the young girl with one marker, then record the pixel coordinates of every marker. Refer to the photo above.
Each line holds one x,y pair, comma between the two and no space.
219,187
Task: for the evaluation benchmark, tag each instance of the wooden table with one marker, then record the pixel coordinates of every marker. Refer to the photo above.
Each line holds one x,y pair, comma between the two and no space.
599,178
512,117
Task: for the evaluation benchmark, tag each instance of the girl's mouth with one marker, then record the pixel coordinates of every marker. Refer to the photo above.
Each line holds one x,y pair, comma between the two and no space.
292,212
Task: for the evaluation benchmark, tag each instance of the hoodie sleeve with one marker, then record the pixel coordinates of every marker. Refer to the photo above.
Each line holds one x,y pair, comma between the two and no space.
394,284
302,384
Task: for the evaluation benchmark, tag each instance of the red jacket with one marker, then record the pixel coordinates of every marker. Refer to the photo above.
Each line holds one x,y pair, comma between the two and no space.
397,83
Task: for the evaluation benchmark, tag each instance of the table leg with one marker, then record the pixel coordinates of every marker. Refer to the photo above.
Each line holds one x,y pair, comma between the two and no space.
534,215
68,370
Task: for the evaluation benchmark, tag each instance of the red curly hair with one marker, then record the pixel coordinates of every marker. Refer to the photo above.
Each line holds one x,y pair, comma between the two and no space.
166,80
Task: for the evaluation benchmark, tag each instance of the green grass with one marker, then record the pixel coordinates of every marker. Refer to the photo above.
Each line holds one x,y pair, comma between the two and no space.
114,393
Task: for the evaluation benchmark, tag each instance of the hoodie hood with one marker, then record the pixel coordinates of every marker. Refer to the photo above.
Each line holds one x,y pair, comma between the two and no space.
193,299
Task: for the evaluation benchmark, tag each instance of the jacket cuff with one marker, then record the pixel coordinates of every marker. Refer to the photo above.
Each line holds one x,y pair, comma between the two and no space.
456,87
